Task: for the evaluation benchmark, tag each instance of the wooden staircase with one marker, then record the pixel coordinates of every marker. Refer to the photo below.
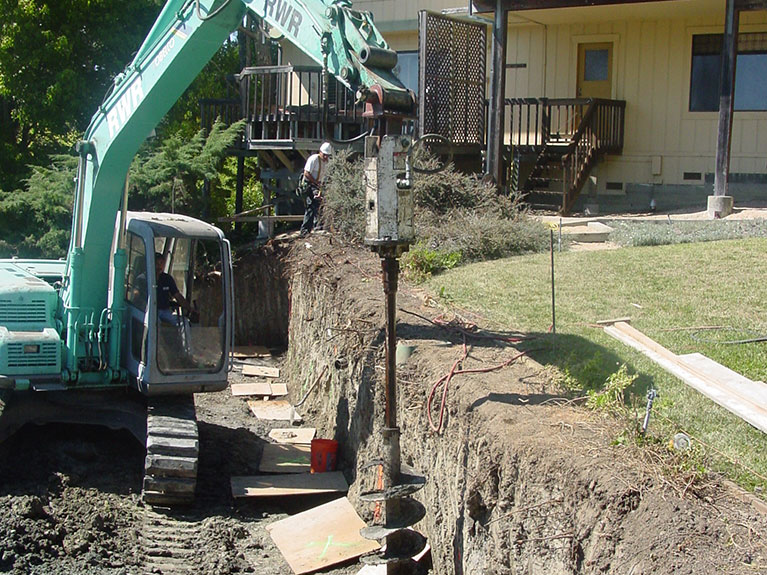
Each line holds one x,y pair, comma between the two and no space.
566,138
543,187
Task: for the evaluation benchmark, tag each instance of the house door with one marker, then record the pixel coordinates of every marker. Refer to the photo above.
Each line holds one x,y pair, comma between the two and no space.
595,70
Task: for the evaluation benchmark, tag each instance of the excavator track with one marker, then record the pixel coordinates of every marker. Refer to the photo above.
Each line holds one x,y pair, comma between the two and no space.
167,543
172,451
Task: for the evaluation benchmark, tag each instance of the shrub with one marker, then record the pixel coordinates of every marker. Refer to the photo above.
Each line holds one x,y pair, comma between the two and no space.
343,207
657,233
459,217
421,261
481,235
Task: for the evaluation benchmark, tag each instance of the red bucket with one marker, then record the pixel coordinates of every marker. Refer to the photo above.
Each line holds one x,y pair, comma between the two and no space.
324,455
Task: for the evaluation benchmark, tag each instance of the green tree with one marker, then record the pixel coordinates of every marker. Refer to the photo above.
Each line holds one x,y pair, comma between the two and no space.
168,175
37,219
57,61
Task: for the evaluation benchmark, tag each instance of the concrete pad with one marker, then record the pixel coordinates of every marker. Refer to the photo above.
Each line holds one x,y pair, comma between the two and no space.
719,206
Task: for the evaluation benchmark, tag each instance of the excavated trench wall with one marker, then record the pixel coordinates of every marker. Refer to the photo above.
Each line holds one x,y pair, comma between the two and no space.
515,485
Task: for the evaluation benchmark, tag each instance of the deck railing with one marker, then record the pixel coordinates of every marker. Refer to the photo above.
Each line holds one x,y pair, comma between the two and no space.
533,122
228,110
600,131
286,103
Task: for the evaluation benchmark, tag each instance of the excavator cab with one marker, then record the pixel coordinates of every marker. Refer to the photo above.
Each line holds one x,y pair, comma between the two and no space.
168,350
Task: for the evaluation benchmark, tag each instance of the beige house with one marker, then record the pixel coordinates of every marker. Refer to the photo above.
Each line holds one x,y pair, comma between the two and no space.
661,58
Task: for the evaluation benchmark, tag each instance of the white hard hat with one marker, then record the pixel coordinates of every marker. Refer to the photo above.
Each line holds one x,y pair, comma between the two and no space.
326,149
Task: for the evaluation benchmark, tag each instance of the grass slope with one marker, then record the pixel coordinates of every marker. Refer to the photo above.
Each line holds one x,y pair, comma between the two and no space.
665,290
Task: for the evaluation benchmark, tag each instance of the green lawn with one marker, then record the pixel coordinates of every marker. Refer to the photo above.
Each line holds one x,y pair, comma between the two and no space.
662,289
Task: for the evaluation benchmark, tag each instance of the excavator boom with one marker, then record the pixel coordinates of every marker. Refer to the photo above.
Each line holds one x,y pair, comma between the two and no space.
184,37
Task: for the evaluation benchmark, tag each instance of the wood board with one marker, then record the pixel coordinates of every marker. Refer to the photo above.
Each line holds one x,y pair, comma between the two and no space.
293,435
285,458
260,388
702,375
260,370
288,485
279,389
257,388
251,351
273,410
321,537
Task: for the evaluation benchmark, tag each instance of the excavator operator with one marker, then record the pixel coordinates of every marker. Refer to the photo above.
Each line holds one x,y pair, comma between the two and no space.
167,292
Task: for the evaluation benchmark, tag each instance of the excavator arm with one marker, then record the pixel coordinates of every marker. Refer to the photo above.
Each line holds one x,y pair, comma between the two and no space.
185,36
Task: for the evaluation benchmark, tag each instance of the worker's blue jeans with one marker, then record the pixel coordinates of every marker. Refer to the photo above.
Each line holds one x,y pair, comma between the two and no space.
310,215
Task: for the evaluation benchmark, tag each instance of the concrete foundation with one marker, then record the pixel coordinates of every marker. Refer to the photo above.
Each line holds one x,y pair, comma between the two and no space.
719,206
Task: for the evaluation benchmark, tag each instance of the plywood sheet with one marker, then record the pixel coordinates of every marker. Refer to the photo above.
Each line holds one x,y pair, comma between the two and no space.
260,370
287,485
279,389
285,458
258,388
321,537
273,410
251,351
293,434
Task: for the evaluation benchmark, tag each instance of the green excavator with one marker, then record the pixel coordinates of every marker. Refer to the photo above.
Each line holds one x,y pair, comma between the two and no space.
94,338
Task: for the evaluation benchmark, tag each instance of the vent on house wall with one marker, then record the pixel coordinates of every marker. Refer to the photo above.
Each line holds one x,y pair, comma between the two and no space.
614,186
690,176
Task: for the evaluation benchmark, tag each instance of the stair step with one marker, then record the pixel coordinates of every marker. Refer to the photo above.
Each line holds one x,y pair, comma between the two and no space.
549,193
545,207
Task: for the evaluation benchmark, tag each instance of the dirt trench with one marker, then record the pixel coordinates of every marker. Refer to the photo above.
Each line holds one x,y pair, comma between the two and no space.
519,480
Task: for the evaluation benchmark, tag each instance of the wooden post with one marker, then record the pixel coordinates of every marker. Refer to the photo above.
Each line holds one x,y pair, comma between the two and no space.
726,98
496,123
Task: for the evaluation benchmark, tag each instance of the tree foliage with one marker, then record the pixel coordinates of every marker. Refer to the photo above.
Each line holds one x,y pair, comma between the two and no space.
37,219
169,175
57,60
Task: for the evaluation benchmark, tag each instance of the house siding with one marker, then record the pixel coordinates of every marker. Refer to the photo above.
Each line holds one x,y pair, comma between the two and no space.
651,72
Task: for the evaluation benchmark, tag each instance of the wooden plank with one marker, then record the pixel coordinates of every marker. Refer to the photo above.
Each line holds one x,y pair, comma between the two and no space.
754,390
732,399
260,370
279,389
273,410
612,321
285,458
258,388
251,351
321,537
287,485
293,435
281,218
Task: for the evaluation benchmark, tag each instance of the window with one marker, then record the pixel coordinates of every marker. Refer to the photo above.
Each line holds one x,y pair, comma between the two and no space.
750,72
407,69
135,273
596,65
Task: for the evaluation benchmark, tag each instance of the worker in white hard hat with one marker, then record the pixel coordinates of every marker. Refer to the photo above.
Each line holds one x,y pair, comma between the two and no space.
310,186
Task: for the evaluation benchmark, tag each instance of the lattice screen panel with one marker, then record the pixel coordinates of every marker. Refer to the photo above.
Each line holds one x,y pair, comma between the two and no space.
451,69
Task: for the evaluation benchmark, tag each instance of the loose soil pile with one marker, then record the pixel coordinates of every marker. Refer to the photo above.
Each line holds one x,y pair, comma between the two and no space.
519,481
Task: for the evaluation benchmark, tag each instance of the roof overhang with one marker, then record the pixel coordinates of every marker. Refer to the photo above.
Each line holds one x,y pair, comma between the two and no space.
480,6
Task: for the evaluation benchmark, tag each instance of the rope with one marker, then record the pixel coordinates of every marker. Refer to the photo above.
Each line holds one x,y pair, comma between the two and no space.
447,378
431,137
